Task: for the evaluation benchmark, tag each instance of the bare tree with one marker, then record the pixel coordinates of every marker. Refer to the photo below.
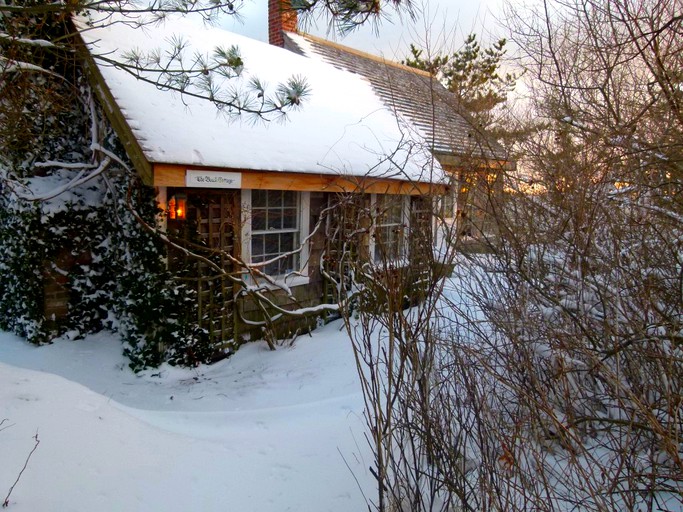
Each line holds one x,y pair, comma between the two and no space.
553,361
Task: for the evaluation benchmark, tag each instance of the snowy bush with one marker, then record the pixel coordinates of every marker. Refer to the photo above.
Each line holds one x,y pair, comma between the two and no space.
21,292
114,270
70,206
87,236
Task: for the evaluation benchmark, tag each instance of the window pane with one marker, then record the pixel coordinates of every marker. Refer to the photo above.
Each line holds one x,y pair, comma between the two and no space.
394,213
257,246
272,269
274,198
258,220
258,199
275,219
290,218
290,199
287,242
272,244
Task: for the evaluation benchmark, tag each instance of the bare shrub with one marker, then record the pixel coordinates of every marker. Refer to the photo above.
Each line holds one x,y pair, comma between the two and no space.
547,373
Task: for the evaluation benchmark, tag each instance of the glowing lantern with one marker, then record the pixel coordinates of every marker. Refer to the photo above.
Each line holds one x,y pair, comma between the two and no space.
177,207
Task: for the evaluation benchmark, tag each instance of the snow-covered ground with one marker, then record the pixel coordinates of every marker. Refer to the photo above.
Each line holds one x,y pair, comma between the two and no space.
261,431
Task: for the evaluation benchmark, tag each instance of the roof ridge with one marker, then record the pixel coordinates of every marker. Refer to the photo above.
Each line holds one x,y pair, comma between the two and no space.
376,58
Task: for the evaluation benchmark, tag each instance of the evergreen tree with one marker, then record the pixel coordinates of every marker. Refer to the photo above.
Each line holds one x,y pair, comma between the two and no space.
472,73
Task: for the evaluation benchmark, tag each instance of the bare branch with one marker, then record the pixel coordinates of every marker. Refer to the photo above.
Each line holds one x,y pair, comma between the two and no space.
5,503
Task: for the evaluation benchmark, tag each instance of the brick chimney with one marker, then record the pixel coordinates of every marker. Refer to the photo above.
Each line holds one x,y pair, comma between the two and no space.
281,17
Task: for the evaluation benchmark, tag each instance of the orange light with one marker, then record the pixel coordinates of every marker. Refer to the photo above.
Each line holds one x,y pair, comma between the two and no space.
177,207
181,200
171,208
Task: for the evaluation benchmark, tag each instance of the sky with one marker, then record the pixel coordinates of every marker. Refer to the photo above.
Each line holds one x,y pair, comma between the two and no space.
447,22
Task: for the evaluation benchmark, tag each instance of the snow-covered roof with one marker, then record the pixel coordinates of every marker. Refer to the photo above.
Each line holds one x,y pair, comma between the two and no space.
342,127
414,94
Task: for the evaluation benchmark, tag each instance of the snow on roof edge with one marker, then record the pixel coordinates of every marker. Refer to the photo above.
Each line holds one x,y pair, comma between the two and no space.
331,135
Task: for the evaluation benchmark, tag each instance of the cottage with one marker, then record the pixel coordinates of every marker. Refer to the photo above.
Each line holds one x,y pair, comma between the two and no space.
252,192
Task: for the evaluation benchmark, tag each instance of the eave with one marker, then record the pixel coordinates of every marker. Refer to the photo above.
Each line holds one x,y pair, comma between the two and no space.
173,175
115,117
471,163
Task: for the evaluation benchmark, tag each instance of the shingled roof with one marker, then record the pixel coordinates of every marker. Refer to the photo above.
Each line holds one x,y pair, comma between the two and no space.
326,136
411,93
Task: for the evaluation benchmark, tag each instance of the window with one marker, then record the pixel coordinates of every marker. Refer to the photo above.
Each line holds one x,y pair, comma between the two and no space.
275,227
448,204
391,225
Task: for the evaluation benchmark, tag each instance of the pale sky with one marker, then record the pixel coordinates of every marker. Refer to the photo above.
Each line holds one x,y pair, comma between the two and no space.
446,21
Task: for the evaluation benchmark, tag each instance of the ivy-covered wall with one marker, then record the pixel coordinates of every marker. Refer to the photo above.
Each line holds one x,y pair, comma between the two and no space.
112,270
78,261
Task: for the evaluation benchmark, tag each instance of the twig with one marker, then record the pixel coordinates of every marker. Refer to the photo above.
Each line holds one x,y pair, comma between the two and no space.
5,503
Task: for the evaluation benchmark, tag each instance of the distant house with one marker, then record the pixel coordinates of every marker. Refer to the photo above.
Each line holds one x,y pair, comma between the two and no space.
256,190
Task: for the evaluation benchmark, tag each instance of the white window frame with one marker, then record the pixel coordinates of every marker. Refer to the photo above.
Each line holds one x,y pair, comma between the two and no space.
405,216
304,207
448,211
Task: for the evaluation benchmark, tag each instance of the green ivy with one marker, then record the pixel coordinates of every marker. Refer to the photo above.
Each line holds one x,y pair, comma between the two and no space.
114,267
157,312
117,275
21,281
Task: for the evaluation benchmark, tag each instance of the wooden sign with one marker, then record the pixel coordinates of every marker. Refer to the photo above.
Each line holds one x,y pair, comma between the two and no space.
210,179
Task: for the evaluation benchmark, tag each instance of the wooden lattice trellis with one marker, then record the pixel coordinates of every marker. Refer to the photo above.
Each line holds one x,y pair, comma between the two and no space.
209,230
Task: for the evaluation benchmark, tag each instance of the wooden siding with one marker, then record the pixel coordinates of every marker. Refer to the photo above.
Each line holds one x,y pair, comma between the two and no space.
173,175
454,164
